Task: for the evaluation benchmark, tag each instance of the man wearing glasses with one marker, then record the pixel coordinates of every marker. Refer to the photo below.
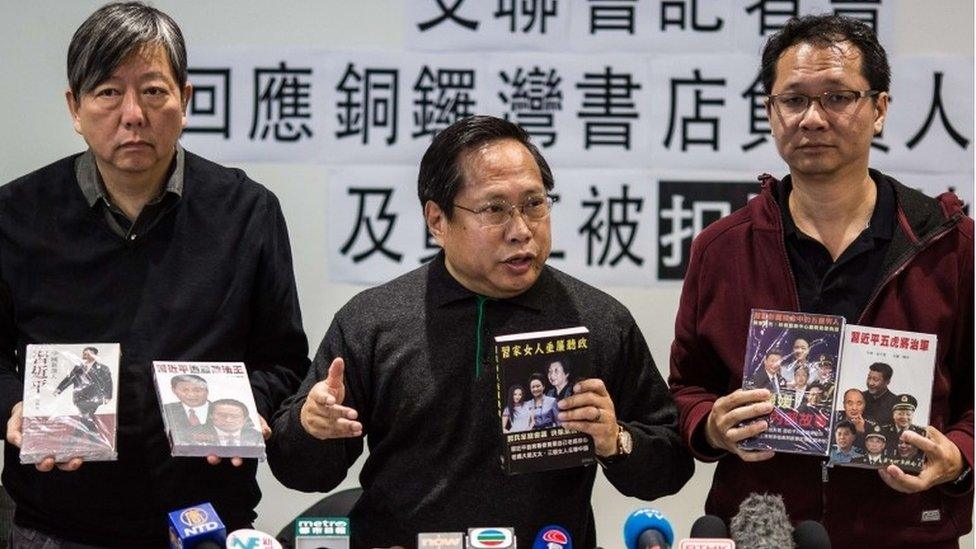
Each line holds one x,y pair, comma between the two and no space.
832,237
409,365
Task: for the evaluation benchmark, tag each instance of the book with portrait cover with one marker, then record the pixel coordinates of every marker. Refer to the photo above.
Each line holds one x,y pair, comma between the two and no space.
793,355
535,370
70,402
884,388
208,409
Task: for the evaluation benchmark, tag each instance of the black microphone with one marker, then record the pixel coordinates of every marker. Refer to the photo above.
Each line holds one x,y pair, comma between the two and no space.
708,532
810,534
762,523
709,526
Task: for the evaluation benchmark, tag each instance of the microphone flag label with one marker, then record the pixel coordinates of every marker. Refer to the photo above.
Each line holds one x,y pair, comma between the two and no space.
491,538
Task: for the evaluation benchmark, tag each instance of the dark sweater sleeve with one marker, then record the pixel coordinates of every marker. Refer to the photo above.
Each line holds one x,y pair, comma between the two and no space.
659,464
299,460
11,384
277,355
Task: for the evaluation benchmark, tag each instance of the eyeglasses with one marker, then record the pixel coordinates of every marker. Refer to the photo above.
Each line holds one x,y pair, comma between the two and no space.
498,212
835,101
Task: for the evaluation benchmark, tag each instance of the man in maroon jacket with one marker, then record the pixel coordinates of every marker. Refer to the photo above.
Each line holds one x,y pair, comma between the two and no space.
839,238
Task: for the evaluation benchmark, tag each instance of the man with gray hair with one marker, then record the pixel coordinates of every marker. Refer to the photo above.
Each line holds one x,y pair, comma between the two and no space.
139,242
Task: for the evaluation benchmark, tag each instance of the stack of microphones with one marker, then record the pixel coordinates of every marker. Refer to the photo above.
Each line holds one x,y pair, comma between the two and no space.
761,523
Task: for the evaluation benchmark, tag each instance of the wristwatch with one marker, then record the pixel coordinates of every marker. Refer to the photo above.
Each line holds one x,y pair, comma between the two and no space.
625,445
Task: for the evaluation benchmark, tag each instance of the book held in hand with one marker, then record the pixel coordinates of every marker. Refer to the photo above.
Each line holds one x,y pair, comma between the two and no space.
208,409
884,389
70,402
839,390
535,370
793,356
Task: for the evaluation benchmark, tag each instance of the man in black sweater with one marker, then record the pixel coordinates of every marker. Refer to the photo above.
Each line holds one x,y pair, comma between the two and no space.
408,365
138,242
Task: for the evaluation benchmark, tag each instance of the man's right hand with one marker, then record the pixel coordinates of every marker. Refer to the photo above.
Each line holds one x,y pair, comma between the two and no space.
723,430
15,428
323,415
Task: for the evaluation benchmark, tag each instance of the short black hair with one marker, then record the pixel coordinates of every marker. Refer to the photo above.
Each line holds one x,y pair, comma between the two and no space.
92,350
828,30
229,402
186,378
845,425
884,369
114,32
441,174
773,351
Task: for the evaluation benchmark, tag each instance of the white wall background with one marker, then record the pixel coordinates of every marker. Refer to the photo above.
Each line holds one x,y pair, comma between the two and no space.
36,130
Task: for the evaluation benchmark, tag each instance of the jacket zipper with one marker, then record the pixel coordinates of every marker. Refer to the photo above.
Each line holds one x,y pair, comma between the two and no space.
907,258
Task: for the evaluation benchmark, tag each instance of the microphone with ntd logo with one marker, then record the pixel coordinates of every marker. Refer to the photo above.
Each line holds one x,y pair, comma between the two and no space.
196,527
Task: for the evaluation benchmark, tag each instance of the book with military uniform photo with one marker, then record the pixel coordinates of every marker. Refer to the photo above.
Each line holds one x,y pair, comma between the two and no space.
884,388
793,355
208,409
70,402
536,370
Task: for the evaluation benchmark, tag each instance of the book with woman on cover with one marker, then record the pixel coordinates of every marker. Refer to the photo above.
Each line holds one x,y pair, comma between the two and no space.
535,370
70,402
208,409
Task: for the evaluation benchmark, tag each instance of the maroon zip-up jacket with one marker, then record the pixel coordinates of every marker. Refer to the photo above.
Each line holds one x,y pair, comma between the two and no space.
739,263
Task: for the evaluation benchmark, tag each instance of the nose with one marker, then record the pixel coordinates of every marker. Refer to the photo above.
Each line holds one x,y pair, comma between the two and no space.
517,229
814,117
132,110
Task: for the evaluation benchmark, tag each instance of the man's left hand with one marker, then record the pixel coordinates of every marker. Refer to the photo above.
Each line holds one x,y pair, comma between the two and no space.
236,461
943,463
589,410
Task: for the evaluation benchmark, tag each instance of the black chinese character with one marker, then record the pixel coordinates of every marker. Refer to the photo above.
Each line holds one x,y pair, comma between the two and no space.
937,107
615,227
612,15
281,102
448,13
758,119
534,98
534,11
370,102
442,99
209,106
711,123
376,242
773,14
608,105
862,10
673,13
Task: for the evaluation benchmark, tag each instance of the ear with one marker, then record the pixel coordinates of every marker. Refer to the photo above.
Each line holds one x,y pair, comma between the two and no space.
436,221
881,111
185,99
73,109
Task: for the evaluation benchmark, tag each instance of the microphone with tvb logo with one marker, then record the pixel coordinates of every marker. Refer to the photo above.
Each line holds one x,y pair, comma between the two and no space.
553,537
196,527
491,538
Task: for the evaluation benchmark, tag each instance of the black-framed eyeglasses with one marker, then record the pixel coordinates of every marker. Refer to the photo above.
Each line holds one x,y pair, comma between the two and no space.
498,212
835,101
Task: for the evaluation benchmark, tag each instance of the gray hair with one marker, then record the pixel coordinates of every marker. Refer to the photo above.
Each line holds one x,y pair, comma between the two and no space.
111,34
